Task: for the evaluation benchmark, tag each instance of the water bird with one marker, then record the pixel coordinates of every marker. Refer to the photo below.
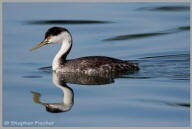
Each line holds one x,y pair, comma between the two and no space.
90,65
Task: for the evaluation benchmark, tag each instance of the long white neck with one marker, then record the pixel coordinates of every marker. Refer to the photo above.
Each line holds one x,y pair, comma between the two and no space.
64,50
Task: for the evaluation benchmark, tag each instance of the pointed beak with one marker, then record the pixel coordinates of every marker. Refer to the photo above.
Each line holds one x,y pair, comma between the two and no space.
39,45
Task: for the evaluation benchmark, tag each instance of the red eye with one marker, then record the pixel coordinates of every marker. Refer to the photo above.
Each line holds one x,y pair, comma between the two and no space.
49,37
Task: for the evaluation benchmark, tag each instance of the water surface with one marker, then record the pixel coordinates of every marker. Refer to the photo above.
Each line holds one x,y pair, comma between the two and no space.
154,35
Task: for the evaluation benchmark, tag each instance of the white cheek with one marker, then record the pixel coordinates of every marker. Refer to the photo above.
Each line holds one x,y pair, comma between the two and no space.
55,39
63,37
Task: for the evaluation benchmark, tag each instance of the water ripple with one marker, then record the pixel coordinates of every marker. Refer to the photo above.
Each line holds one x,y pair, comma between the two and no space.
41,22
144,35
174,67
166,8
175,104
32,76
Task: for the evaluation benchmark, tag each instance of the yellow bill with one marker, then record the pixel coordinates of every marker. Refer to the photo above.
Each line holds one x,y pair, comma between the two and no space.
39,45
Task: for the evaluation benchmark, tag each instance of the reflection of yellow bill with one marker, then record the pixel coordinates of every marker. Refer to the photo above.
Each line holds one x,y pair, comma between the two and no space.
39,45
36,98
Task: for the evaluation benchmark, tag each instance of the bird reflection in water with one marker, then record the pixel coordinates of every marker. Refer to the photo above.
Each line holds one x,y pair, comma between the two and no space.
60,80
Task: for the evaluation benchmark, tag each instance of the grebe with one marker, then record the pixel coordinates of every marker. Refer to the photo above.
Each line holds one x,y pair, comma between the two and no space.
86,65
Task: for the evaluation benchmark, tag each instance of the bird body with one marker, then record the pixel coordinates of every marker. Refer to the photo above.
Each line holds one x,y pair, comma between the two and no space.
88,65
96,65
